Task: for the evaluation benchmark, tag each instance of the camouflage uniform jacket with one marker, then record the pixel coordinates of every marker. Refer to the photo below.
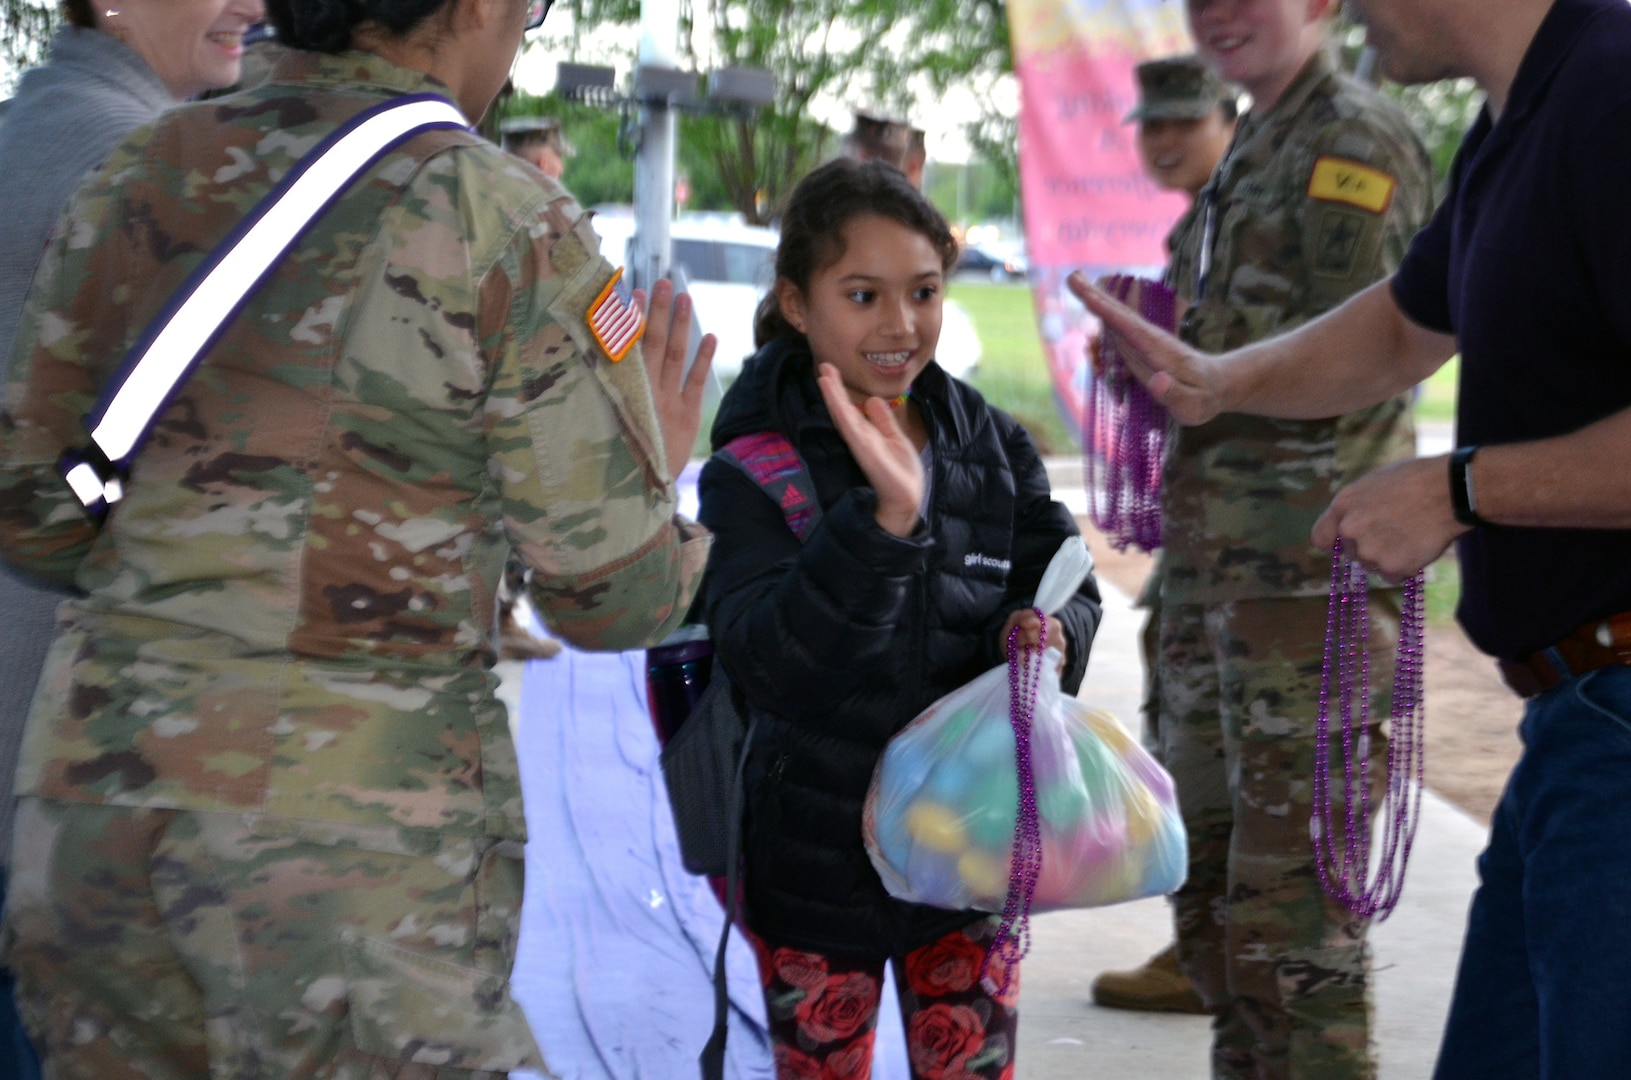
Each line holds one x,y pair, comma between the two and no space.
290,613
1315,200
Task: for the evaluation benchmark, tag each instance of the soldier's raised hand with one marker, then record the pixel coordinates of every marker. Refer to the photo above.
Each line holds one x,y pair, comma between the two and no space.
676,392
1191,384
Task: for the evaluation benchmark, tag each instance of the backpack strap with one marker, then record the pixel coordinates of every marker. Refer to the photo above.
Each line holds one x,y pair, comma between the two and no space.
173,343
771,462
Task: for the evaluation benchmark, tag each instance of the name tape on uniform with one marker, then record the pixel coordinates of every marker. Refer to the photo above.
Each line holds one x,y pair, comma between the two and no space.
1340,180
614,320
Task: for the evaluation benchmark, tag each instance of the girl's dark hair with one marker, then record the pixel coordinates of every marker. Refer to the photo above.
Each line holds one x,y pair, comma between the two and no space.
822,204
327,25
79,13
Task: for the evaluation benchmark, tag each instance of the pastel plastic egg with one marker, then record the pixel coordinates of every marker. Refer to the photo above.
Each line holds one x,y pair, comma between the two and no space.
985,876
992,743
1143,817
1058,878
935,827
934,879
990,809
956,726
1153,776
949,781
1062,805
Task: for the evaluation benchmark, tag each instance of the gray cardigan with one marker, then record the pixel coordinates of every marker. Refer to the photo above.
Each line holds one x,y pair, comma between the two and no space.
67,115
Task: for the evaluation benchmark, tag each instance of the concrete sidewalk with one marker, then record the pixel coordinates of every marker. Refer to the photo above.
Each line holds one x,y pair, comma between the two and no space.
1062,1034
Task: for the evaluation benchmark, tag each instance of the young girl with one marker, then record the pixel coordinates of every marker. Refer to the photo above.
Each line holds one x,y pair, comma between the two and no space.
936,525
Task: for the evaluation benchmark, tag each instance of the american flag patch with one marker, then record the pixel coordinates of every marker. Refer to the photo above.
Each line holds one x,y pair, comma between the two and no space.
614,320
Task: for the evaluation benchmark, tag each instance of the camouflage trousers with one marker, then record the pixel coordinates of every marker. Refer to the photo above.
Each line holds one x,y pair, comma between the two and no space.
174,945
1284,970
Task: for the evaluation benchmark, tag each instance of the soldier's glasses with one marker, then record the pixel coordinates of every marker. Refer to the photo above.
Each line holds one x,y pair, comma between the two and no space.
536,10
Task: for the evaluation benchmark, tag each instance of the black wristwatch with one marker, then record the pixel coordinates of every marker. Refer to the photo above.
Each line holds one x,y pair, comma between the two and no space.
1463,501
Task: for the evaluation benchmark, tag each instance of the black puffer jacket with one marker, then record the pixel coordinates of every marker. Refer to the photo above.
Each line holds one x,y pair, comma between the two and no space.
836,644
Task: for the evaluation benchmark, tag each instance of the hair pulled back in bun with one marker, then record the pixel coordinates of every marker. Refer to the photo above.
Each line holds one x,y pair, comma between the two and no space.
327,25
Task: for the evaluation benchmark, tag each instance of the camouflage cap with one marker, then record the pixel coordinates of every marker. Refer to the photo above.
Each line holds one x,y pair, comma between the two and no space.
1176,88
519,129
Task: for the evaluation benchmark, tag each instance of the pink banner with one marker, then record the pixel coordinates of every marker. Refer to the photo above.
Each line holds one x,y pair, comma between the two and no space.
1088,204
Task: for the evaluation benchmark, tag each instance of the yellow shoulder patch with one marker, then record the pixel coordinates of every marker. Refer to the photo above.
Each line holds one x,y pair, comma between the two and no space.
1340,180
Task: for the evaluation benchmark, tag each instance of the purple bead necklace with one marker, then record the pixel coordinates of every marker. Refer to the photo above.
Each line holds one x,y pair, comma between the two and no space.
1013,937
1346,874
1124,437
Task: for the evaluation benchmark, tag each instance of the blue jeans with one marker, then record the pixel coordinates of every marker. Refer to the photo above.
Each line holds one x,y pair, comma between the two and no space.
1544,988
16,1052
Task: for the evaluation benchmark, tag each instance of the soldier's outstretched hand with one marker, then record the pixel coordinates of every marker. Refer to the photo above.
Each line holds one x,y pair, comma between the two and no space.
1188,382
676,392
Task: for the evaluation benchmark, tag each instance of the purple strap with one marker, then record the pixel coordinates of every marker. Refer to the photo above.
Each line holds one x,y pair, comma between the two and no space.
771,462
1346,874
1013,937
1124,434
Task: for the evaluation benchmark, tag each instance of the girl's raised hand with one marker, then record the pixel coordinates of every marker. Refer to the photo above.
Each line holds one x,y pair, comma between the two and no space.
883,451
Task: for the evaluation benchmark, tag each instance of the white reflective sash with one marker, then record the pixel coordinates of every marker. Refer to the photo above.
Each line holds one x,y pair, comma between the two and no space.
170,348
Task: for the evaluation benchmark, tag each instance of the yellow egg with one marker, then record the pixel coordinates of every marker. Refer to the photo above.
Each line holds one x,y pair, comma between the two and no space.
935,827
982,874
1143,816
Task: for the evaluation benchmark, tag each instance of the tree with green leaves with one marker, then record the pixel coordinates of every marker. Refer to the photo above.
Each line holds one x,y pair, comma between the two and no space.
875,52
25,30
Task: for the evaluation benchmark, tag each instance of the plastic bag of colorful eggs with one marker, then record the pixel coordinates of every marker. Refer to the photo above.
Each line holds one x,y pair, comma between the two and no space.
940,816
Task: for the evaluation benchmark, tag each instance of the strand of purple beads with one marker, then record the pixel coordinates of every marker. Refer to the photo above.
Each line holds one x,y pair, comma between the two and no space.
1125,435
1346,874
1013,937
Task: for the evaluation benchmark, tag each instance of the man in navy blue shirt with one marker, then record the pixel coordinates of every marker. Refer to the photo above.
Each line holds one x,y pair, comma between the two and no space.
1526,271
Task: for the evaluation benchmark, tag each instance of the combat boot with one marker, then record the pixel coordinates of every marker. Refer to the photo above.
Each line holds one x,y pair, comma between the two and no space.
1158,986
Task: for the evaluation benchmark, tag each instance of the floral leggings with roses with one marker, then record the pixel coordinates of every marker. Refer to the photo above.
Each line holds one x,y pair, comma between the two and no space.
823,1010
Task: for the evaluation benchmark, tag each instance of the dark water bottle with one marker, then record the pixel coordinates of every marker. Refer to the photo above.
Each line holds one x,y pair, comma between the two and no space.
677,673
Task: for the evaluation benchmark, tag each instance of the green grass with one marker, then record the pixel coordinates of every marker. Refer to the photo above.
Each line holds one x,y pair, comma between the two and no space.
1013,374
1437,399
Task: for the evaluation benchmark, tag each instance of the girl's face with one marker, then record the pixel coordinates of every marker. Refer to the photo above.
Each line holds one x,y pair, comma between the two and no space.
875,313
191,45
1261,45
1179,155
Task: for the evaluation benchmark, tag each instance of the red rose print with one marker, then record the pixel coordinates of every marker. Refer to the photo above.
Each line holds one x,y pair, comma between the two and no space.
841,1008
945,967
805,971
794,1064
942,1038
851,1063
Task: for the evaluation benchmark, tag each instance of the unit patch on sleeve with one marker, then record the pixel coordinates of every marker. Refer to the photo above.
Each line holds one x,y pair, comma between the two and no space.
614,320
1340,180
1336,242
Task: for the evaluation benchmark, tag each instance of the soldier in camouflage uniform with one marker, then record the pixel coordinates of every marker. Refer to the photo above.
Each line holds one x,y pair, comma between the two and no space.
272,822
1317,197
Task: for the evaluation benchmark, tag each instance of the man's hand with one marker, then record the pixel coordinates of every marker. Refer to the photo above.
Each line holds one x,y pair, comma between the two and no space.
1191,384
1395,520
676,394
883,451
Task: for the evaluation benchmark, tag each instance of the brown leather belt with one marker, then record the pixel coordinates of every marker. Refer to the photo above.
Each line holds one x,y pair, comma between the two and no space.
1594,645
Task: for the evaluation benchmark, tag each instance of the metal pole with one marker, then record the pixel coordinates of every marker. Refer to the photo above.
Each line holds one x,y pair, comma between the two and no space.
654,161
